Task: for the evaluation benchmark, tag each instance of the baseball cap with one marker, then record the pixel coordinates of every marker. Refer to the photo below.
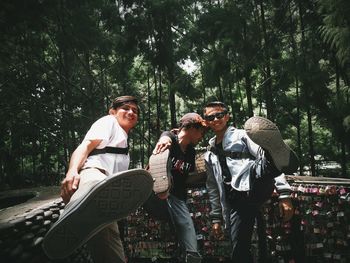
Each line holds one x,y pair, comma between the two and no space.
191,119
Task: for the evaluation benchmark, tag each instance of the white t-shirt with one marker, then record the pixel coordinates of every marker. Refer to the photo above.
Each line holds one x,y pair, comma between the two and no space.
109,131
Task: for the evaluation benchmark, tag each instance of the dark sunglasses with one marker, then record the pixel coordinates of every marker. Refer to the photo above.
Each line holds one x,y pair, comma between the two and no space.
218,115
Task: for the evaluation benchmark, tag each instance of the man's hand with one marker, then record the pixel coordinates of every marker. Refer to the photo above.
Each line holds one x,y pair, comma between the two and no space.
163,144
286,209
217,231
69,185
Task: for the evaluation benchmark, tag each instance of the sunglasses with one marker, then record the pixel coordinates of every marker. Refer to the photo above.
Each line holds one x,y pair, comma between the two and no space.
218,115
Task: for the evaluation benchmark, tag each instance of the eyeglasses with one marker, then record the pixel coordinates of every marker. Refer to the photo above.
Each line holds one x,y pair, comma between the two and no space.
218,115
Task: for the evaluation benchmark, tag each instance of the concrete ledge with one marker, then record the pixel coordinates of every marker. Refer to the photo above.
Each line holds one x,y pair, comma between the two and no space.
318,180
24,225
42,197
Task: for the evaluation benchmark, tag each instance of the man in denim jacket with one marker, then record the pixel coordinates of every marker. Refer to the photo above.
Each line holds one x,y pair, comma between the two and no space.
242,173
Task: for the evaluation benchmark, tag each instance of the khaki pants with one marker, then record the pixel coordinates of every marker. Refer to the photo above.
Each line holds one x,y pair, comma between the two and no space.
106,246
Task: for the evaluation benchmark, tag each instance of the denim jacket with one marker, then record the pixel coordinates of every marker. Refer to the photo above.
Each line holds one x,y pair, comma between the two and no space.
235,140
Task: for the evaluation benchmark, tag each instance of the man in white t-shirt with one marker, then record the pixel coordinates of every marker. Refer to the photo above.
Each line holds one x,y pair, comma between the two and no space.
99,189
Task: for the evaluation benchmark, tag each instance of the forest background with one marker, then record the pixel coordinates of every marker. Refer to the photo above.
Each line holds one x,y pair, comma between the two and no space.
62,61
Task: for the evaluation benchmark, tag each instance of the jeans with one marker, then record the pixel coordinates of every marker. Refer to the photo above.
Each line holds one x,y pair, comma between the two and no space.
184,228
243,209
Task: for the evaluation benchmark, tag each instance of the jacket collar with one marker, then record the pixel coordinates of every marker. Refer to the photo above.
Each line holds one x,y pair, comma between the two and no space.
229,130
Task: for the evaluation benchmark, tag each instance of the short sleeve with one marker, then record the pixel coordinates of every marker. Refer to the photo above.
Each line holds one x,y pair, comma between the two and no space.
101,130
168,134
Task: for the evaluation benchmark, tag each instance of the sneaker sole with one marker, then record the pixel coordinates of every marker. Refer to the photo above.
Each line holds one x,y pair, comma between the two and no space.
200,164
111,199
266,134
158,167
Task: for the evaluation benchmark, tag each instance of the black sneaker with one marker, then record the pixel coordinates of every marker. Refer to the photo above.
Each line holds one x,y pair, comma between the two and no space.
267,135
96,206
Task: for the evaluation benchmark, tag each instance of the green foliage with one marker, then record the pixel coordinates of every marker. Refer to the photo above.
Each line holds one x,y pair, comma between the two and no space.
63,61
335,30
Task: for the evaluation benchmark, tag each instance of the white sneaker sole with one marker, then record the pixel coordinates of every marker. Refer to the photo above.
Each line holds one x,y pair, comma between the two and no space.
158,167
266,134
111,199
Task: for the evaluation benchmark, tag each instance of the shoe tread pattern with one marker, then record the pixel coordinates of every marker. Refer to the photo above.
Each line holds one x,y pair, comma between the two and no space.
117,197
113,199
266,134
158,167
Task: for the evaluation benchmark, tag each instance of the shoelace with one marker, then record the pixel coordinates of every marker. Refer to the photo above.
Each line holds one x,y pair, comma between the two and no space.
260,163
261,153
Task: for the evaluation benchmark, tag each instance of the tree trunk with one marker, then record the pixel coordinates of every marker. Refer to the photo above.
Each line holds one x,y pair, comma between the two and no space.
204,94
306,92
233,113
268,91
172,96
297,95
298,125
248,90
342,132
149,114
158,98
221,94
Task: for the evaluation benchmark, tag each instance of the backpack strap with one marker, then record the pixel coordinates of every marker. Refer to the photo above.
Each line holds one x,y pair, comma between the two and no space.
231,154
108,149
